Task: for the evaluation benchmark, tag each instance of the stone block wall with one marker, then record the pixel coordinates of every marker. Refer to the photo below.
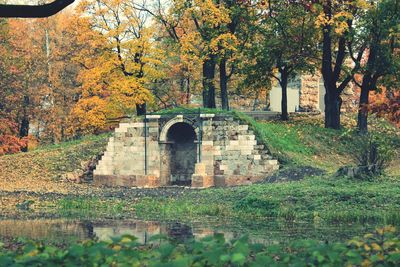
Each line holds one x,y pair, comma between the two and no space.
310,93
238,157
313,91
228,153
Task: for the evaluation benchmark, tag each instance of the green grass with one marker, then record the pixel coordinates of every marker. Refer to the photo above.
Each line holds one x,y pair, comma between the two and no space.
90,207
317,199
325,200
190,110
304,141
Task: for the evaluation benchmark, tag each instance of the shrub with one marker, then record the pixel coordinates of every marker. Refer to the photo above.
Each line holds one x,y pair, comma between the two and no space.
372,155
381,248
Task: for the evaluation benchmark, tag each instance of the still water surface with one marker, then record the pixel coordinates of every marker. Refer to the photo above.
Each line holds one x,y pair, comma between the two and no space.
59,230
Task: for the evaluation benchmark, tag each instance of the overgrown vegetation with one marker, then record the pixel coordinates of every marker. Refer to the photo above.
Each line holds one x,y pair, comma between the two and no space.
380,248
373,153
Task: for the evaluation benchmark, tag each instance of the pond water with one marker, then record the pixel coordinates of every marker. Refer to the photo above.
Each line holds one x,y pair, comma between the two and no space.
59,230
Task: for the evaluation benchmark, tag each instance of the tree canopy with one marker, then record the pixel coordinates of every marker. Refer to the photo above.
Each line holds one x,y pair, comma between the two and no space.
81,70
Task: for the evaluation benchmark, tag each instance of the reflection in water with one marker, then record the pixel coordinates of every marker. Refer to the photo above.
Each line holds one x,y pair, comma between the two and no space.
50,229
77,230
270,232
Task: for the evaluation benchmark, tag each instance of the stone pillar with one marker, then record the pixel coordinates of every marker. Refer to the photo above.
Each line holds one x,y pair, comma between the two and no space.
207,143
164,164
152,146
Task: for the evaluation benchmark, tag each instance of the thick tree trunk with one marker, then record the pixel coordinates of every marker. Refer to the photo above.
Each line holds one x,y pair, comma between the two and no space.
284,107
140,109
333,103
362,121
208,82
223,81
332,98
368,84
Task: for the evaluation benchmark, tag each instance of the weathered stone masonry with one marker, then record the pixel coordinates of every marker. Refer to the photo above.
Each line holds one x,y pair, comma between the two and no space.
200,150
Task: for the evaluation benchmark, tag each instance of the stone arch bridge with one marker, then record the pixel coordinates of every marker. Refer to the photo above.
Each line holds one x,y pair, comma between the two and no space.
198,150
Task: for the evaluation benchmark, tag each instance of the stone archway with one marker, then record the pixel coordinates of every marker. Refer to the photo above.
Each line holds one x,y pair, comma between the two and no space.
181,152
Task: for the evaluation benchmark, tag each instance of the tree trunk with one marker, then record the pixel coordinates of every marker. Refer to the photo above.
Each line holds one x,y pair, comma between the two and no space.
333,103
283,82
182,87
368,84
140,109
24,126
188,91
223,81
332,98
208,82
362,120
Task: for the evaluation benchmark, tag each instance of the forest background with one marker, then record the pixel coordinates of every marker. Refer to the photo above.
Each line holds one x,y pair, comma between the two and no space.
80,71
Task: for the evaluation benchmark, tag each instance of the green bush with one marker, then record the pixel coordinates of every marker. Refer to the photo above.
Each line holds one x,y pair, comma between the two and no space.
372,155
381,248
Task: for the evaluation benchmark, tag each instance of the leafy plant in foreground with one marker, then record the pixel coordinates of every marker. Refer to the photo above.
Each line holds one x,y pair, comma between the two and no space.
381,248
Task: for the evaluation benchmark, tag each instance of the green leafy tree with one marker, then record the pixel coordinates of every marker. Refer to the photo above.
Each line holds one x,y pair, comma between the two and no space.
285,46
379,33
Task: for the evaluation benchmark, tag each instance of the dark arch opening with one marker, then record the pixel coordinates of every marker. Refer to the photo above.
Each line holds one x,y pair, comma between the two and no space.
181,138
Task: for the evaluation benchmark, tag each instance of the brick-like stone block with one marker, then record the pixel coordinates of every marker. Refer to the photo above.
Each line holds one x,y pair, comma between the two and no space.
125,180
153,181
202,181
257,157
208,181
244,127
219,180
142,180
200,169
273,162
233,143
104,180
197,181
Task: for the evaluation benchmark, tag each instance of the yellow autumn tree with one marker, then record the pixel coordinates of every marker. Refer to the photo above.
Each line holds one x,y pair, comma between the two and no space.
119,60
207,34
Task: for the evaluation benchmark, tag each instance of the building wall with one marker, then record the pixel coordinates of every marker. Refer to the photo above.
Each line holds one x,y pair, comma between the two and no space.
307,92
293,96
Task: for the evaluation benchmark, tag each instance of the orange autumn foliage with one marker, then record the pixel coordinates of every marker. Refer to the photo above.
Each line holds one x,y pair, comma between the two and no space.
9,141
386,105
88,116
